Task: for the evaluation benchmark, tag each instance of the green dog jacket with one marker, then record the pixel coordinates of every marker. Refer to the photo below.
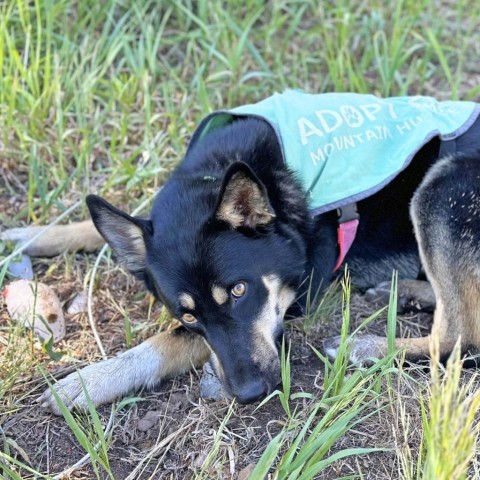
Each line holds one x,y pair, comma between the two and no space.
345,147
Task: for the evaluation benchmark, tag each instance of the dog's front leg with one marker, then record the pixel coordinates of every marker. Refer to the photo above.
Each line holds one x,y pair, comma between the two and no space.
162,356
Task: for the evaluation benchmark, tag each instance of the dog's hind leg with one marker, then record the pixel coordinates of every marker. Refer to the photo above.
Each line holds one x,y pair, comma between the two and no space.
412,295
446,215
57,239
164,355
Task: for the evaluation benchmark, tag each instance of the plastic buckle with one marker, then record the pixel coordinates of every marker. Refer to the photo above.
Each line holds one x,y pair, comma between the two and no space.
347,213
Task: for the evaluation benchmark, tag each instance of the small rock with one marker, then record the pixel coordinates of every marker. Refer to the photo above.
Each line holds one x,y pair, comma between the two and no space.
35,305
210,385
200,460
149,420
177,401
78,304
21,268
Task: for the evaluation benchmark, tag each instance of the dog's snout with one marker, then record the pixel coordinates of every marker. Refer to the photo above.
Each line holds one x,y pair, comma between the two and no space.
253,391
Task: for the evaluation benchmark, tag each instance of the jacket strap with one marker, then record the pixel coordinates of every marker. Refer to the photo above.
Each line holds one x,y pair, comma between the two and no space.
348,221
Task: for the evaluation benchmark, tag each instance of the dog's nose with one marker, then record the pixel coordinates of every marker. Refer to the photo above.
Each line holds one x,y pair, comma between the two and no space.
253,391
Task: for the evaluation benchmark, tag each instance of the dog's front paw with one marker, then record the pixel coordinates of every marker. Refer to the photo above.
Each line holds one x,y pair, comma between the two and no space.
105,381
362,349
99,380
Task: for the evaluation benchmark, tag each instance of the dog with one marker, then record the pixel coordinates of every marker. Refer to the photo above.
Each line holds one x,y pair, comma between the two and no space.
232,242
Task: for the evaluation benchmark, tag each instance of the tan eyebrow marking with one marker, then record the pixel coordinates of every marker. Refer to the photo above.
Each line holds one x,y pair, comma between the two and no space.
219,294
187,301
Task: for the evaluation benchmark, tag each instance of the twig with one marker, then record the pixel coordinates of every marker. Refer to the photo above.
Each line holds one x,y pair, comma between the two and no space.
47,447
89,301
164,442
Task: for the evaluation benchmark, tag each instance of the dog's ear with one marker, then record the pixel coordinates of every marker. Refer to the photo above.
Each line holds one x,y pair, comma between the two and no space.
243,200
125,234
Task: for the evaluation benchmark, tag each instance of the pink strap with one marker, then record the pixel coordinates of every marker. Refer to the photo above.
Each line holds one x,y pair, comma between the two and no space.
346,235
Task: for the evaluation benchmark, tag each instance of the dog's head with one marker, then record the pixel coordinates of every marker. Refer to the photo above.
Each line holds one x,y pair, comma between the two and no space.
216,254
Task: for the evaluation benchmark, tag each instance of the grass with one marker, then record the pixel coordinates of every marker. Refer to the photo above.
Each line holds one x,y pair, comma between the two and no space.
89,433
303,449
449,428
113,89
103,97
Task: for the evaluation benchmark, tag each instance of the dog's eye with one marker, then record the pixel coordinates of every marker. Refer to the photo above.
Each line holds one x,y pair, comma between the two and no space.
189,318
238,290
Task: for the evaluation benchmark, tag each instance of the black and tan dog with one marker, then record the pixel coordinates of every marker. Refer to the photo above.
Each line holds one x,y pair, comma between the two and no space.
230,246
